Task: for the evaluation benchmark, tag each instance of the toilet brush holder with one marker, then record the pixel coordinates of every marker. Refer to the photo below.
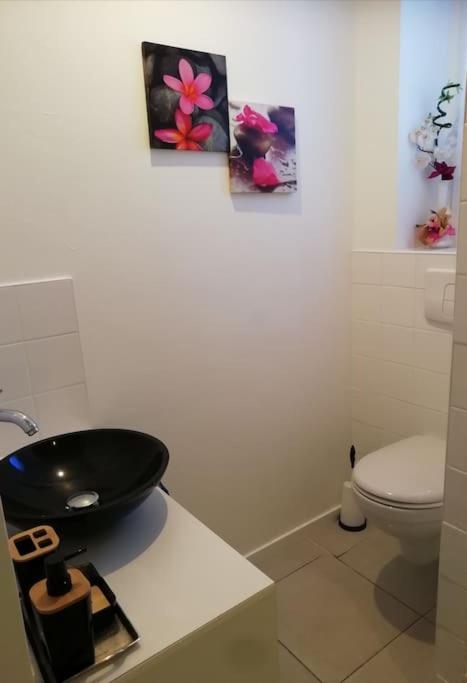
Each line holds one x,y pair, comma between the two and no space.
350,516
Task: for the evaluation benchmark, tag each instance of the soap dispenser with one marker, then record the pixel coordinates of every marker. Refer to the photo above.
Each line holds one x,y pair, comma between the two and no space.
62,609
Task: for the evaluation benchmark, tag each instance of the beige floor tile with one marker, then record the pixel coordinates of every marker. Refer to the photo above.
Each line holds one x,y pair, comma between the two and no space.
334,620
285,556
291,669
327,533
408,659
379,559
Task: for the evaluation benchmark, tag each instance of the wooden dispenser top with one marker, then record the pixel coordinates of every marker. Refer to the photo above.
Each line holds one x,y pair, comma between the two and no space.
36,542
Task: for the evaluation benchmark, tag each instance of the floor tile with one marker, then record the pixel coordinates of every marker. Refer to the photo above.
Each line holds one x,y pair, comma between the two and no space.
334,620
379,559
327,533
408,659
291,669
286,556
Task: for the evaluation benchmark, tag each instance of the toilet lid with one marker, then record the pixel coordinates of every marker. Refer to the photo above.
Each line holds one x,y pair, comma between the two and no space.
409,471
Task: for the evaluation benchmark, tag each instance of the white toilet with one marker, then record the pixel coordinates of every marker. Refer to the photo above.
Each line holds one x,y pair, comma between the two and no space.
400,488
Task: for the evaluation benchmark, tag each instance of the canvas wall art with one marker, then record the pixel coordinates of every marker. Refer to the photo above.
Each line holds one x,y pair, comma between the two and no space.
186,98
262,156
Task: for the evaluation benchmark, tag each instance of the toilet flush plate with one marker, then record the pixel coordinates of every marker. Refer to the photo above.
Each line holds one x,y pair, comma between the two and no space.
439,295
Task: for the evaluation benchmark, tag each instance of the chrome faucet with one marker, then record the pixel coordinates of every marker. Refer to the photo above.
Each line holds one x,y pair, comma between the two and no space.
27,424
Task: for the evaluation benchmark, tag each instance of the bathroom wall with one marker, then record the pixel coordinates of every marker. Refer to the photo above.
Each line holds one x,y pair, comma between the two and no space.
218,323
451,636
377,63
41,363
400,361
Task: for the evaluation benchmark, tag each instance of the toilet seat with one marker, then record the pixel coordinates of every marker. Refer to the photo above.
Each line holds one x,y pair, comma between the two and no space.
396,504
408,474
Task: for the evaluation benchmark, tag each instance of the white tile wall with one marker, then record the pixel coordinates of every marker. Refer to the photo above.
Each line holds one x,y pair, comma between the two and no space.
41,363
401,361
451,634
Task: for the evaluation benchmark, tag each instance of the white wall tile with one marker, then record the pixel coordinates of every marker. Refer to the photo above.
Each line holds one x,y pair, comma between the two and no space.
14,374
432,350
453,554
462,240
367,408
428,421
408,419
12,437
399,417
459,376
366,303
396,380
452,608
427,260
366,374
398,270
55,362
366,268
455,505
397,344
63,410
47,308
387,438
457,449
397,306
10,324
365,438
367,339
449,656
460,310
430,389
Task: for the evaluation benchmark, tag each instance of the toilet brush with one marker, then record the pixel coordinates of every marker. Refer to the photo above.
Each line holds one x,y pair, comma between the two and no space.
350,516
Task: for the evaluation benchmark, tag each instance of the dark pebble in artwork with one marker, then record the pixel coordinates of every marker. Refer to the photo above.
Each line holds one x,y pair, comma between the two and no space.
164,102
284,119
253,143
218,140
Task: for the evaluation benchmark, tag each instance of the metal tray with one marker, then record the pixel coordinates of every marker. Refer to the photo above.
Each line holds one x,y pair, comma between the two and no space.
108,643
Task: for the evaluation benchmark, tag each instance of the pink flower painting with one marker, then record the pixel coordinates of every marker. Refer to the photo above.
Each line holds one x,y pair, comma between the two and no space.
185,135
262,154
191,89
186,99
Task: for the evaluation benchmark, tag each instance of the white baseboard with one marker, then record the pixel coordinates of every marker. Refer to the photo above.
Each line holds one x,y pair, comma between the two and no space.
293,531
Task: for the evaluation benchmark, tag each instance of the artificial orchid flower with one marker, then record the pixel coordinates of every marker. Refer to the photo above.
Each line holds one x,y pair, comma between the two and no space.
441,168
253,119
185,136
191,89
264,174
423,159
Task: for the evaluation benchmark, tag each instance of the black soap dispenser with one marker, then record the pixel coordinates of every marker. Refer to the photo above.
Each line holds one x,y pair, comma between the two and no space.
62,609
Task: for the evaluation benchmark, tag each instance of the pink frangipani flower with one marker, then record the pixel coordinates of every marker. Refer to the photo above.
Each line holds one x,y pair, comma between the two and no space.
185,136
264,174
253,119
191,89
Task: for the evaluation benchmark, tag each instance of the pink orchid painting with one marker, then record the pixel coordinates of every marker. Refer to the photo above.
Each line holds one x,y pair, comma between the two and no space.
253,119
185,135
186,99
262,155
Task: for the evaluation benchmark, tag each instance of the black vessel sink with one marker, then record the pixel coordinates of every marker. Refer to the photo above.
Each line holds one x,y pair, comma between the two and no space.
82,473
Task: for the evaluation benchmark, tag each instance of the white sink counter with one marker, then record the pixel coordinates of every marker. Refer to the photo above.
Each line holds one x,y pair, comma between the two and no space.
173,577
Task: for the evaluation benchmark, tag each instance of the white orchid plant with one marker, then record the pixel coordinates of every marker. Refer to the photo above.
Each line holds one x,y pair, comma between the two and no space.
435,139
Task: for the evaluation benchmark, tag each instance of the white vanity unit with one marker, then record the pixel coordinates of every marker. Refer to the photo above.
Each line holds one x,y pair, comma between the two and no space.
203,612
